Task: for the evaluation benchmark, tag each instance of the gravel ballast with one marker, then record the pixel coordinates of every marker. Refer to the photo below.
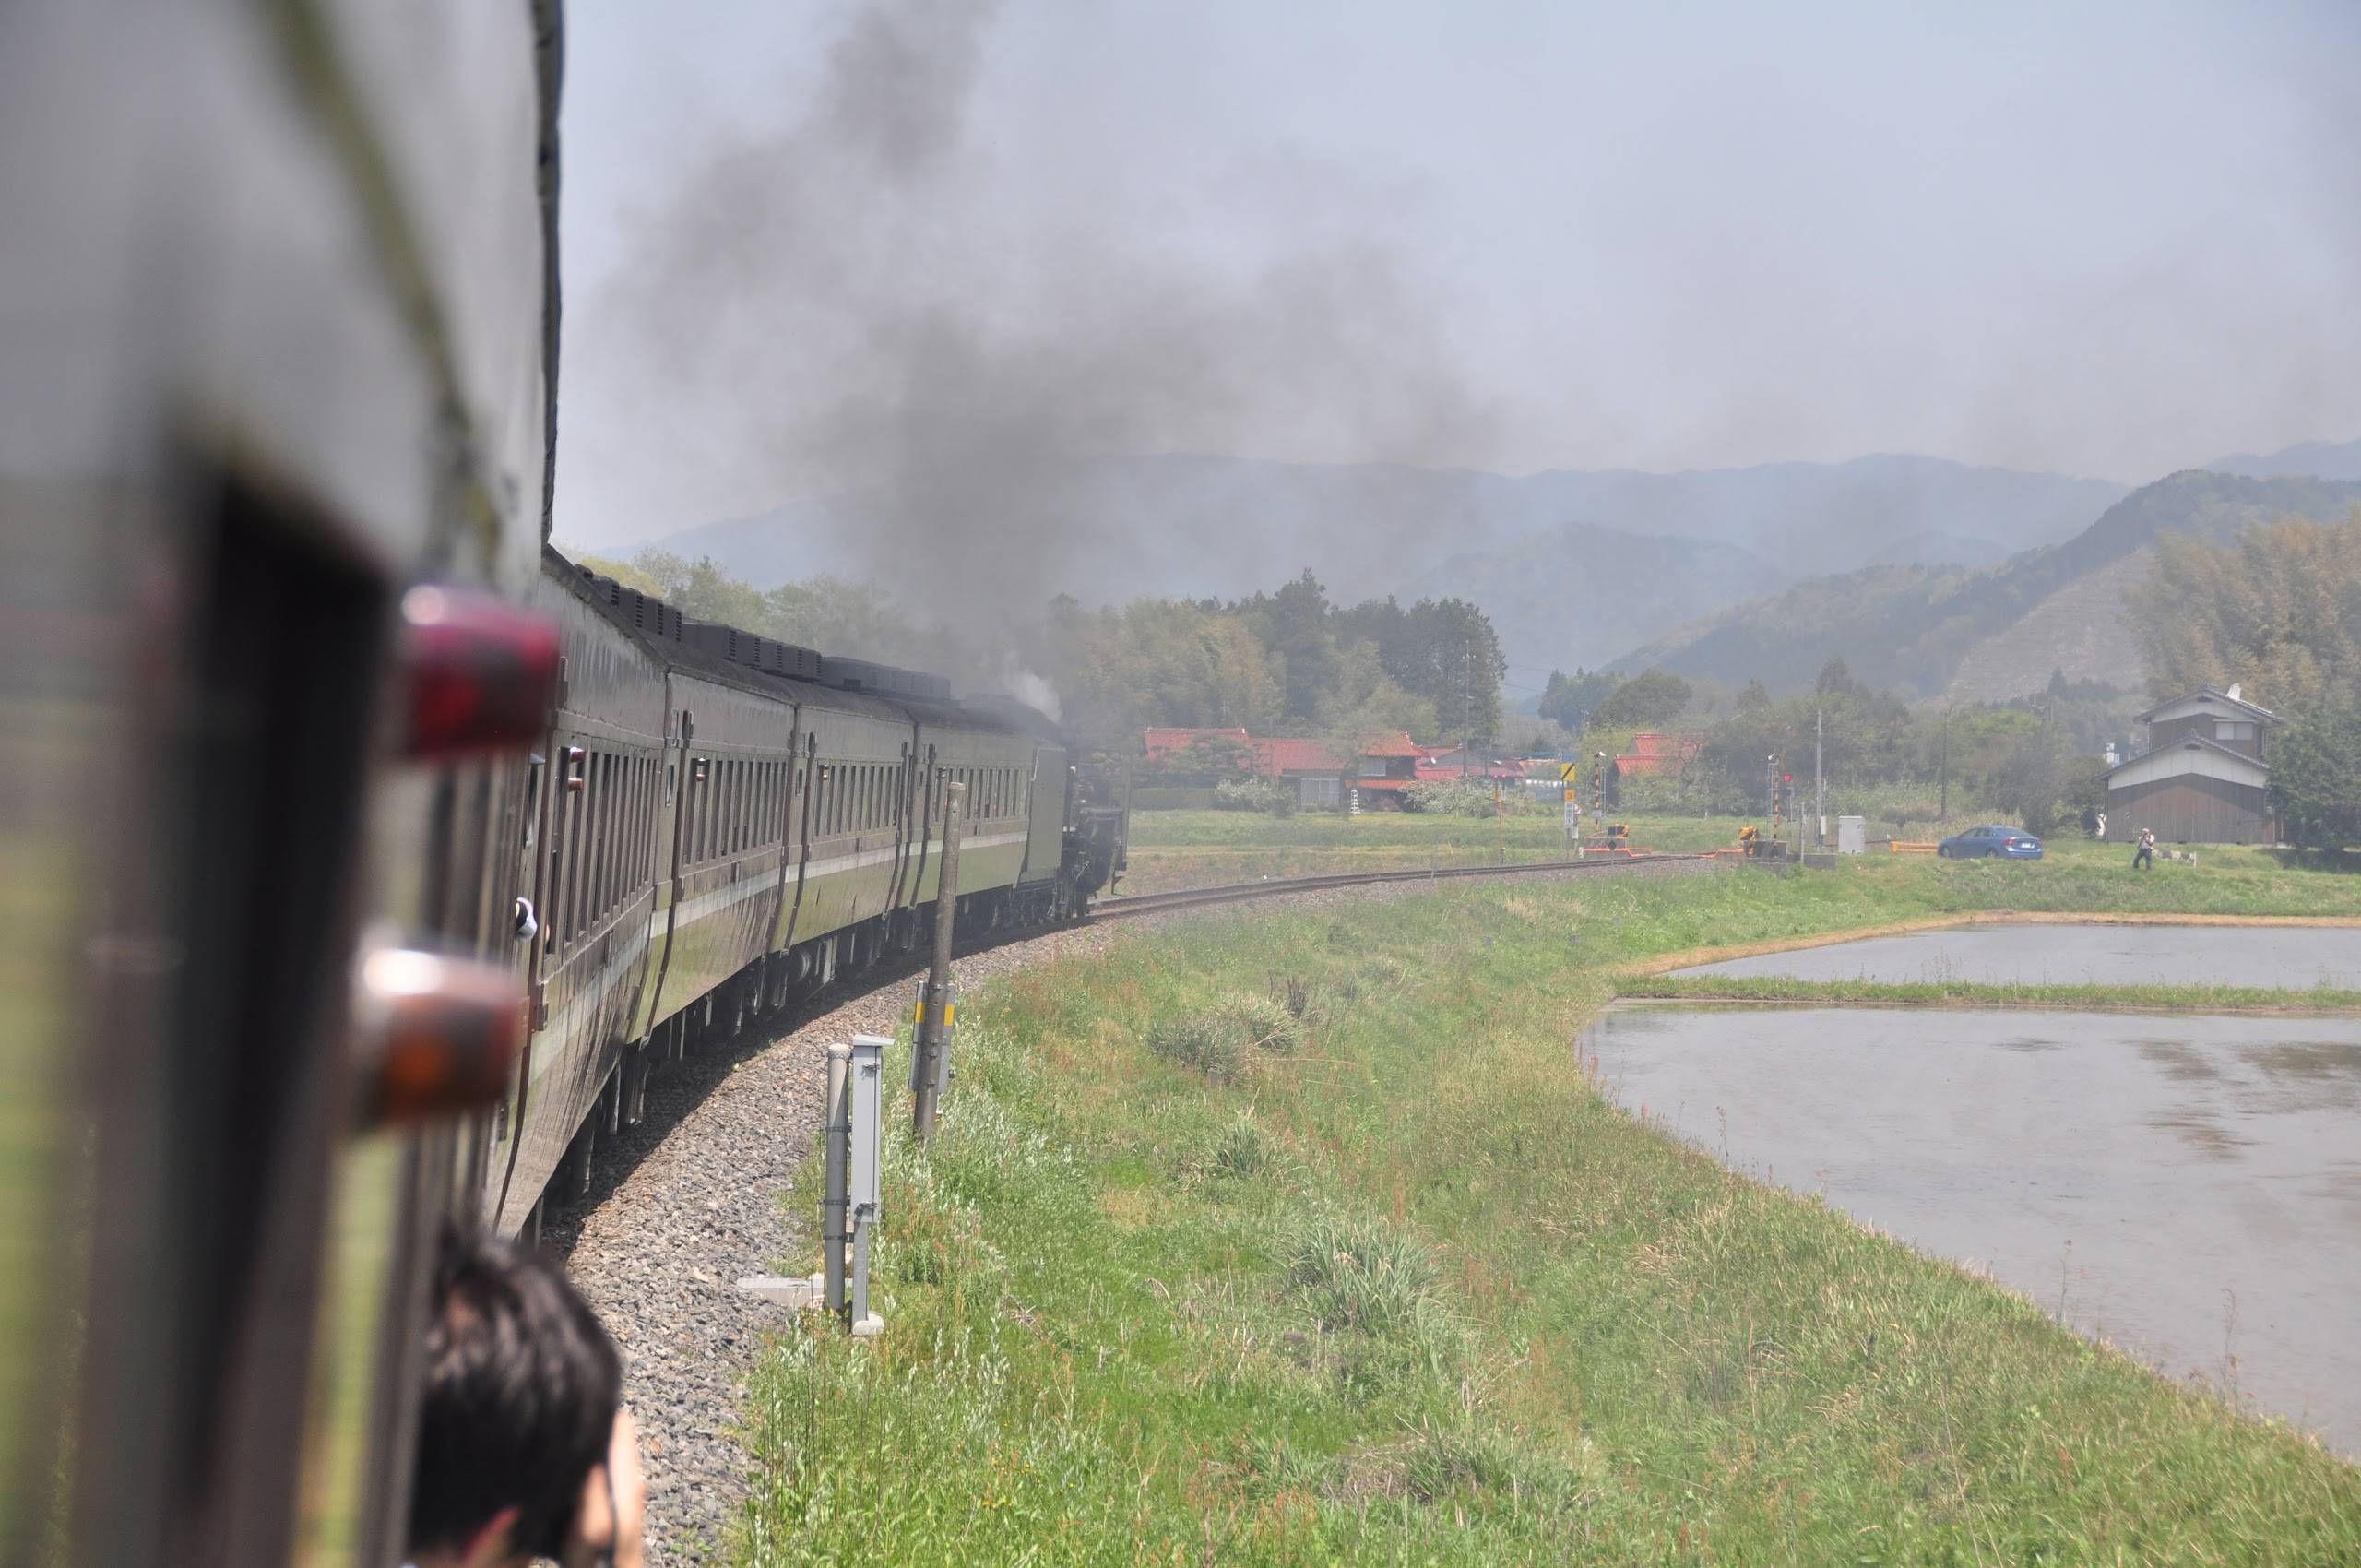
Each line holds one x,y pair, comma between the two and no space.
688,1202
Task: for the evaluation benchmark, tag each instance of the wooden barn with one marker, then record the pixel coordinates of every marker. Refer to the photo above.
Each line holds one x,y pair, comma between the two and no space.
2202,779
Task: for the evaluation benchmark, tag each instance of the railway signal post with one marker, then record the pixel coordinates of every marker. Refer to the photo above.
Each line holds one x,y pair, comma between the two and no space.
931,1040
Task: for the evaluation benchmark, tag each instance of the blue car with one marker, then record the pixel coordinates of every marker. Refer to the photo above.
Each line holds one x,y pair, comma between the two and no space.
2011,843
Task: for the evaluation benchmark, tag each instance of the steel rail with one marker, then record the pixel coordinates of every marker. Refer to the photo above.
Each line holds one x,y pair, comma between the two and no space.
1237,892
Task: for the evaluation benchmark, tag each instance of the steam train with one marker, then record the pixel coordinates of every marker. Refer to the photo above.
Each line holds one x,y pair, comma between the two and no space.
358,857
721,820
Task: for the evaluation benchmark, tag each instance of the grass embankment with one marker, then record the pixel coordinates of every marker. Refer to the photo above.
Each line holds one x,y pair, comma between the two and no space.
1400,1286
1173,850
2318,1000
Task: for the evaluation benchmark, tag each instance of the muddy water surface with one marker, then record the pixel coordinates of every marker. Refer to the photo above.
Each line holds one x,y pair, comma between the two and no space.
2185,1186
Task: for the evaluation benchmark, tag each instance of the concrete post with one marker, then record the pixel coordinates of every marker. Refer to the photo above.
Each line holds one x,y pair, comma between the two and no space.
931,1043
835,1206
864,1168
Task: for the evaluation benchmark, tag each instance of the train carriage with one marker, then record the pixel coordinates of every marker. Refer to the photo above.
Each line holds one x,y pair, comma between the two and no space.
298,847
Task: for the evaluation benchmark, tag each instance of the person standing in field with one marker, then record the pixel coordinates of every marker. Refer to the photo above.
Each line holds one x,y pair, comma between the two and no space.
2144,857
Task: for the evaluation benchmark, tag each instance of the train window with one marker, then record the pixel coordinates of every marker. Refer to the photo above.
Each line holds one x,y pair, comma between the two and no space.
596,882
701,801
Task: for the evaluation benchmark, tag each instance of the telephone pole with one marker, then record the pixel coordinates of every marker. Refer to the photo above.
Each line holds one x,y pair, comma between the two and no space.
1819,778
931,1042
1945,814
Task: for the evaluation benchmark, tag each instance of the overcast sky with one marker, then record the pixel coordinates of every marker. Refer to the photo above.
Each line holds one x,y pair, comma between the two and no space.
2100,239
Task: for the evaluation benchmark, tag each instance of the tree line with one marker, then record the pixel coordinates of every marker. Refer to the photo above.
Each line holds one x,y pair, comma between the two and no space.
1290,661
1878,755
2277,611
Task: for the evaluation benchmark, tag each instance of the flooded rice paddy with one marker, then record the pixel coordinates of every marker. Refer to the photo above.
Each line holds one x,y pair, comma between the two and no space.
2187,1186
2282,957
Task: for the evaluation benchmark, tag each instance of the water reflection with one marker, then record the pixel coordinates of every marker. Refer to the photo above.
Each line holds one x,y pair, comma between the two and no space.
2133,1172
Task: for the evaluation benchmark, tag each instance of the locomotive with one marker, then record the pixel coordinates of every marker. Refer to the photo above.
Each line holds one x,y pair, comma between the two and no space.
320,922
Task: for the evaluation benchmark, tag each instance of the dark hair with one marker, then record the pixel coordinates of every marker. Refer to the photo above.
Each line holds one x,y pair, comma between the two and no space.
521,1389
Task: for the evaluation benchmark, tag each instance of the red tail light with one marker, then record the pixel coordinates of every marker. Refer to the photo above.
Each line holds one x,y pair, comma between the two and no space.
482,673
435,1034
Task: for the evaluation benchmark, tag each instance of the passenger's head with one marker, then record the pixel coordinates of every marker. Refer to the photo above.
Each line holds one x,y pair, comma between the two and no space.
521,1389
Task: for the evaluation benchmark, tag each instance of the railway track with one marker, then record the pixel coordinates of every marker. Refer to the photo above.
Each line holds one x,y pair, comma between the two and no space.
1237,892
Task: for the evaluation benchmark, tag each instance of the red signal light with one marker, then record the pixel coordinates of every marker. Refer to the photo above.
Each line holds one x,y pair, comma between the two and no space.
482,673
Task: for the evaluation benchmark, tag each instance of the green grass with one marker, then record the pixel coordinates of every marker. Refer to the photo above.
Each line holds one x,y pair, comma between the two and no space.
1855,993
1415,1292
1170,849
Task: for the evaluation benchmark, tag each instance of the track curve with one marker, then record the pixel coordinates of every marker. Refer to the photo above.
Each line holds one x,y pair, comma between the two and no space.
1270,887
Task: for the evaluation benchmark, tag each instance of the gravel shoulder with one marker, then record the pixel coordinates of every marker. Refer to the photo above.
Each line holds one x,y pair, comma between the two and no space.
688,1202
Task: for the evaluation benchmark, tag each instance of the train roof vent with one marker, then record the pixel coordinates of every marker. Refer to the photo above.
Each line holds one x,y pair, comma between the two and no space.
860,675
766,654
649,614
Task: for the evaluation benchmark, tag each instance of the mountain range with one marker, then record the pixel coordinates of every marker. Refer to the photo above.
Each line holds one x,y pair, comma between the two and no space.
1991,633
1928,574
1575,567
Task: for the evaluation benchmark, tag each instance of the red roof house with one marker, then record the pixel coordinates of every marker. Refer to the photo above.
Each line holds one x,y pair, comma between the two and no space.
1322,771
1656,755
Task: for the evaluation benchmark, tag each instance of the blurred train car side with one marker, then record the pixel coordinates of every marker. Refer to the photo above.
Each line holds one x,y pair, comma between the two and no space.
274,345
359,856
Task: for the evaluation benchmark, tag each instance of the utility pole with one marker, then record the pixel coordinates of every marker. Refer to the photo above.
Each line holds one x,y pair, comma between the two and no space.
1945,814
931,1045
1819,778
1466,703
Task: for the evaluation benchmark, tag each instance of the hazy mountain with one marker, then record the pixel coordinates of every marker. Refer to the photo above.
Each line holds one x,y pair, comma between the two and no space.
1578,594
2317,460
1221,527
1924,630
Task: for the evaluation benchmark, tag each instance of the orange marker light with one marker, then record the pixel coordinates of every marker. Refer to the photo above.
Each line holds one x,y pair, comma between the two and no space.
435,1034
482,673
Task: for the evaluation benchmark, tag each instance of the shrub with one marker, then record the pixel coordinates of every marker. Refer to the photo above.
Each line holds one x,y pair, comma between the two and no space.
1267,1025
1200,1038
1271,795
1215,1038
1473,797
1460,1460
1244,1152
1363,1278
